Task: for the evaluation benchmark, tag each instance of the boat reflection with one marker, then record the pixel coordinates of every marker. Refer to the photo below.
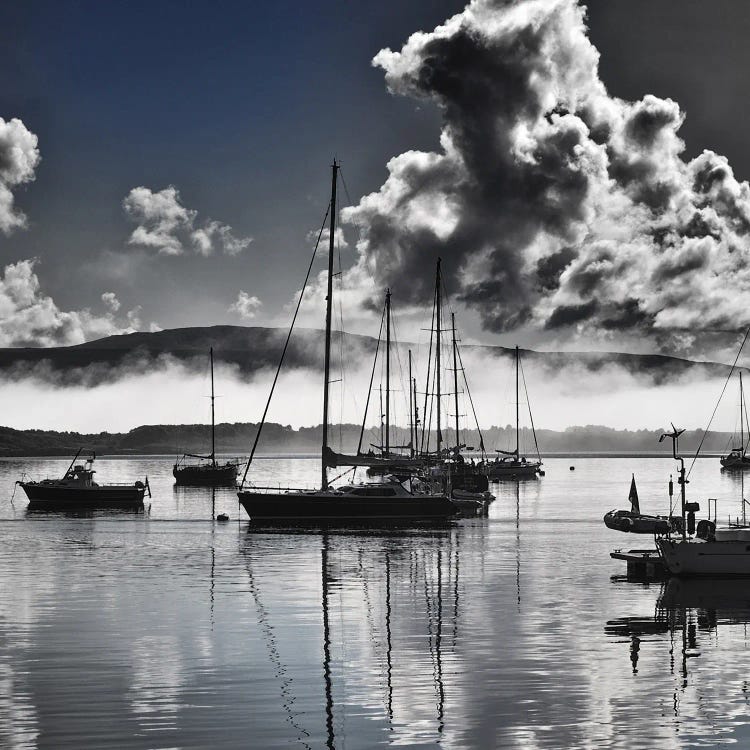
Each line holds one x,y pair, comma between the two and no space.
684,609
92,511
388,619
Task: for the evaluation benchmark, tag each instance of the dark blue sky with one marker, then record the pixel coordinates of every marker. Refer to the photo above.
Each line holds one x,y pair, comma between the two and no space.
241,106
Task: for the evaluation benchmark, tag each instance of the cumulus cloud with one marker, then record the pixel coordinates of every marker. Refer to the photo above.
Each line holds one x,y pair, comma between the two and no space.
338,238
111,302
245,306
553,204
28,317
19,157
165,225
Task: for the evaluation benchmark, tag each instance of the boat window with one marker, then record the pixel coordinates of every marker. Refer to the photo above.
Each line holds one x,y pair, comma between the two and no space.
373,492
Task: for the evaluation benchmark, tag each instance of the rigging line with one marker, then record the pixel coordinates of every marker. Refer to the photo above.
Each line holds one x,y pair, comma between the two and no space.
372,378
342,369
428,417
713,414
471,401
283,351
404,391
346,189
531,417
427,381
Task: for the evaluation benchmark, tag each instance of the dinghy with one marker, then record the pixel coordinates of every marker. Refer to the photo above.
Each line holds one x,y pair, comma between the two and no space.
633,520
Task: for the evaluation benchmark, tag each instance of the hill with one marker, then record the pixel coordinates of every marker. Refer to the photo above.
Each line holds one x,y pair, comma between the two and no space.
250,349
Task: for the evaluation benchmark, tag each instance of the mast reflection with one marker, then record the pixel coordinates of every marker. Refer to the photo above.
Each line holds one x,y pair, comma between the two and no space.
382,602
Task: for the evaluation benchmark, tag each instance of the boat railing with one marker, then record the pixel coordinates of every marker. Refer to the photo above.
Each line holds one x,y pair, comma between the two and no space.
279,488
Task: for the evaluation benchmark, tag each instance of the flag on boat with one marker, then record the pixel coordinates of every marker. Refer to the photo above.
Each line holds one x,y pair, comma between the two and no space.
633,496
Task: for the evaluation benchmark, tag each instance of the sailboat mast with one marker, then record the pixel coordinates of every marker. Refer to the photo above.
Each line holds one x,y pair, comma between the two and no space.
387,370
411,412
329,307
517,417
438,314
742,425
213,420
416,416
455,377
382,437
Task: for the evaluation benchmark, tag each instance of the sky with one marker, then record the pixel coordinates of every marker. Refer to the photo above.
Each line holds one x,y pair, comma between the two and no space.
166,164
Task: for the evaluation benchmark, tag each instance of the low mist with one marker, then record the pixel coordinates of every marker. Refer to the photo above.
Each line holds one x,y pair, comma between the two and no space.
178,394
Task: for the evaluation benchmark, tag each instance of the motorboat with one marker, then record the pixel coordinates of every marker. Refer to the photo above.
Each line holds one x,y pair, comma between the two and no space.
705,550
77,490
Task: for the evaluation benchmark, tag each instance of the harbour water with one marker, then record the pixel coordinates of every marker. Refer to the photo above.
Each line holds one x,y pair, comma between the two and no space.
166,629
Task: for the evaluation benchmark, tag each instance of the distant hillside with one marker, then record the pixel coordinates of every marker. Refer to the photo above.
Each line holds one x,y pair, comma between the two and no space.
238,438
254,348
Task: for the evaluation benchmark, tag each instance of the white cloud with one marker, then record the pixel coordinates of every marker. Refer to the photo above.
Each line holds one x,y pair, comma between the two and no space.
554,205
28,317
19,157
339,241
165,225
245,306
111,302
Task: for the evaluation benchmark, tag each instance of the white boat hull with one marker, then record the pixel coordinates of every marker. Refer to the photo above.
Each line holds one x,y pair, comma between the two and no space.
696,557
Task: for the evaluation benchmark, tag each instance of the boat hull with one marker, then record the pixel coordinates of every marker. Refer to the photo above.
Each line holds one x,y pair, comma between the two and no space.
735,462
205,476
635,523
329,506
706,558
44,496
514,471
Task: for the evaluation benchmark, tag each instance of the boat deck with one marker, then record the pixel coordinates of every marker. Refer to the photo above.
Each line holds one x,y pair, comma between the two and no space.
642,564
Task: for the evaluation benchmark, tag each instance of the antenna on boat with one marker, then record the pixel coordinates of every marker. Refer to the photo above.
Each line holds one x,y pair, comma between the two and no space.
73,462
674,436
329,305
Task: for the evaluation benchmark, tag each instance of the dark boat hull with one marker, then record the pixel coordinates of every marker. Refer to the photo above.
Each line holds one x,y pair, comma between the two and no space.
735,463
513,471
294,506
206,476
636,523
43,496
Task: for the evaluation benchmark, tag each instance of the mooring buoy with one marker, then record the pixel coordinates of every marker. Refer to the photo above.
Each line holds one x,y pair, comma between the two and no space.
222,517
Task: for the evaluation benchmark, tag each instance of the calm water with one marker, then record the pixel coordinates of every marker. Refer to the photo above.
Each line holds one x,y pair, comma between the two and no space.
165,630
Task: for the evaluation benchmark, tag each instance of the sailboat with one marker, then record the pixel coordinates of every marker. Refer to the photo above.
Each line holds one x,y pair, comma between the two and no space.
737,458
357,503
511,464
385,460
208,472
464,480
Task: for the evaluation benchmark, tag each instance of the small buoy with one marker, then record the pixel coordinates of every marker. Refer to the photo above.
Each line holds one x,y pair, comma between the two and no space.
542,473
222,517
572,468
